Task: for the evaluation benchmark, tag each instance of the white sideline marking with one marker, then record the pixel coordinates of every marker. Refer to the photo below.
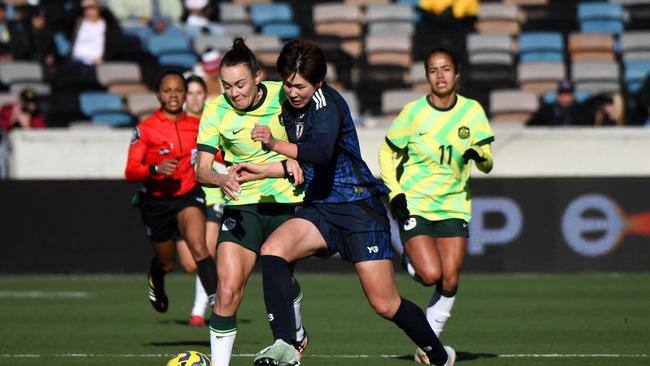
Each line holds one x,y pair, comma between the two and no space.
43,294
160,355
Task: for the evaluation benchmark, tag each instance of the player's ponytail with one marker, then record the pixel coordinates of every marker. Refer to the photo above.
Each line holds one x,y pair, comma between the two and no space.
304,58
241,54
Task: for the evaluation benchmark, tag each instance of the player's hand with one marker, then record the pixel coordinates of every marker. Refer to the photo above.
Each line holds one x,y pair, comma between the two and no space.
295,172
229,185
167,167
246,172
399,209
473,153
263,134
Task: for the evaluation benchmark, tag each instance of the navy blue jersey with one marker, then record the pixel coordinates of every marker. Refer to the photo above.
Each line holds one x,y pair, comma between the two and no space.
328,150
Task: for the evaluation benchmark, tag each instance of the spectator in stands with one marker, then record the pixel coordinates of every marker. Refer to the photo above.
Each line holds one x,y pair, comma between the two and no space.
40,40
7,35
22,114
199,17
94,35
157,15
641,113
611,111
564,111
449,14
208,69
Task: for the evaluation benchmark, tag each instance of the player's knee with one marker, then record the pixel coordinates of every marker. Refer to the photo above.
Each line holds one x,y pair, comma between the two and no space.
384,309
271,247
228,295
429,277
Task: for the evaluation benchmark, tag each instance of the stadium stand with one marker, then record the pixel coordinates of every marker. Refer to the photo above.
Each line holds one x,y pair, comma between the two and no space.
372,46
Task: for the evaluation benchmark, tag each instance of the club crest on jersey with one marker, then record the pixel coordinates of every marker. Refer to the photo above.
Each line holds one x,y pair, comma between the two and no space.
228,224
463,132
164,151
300,127
280,120
135,136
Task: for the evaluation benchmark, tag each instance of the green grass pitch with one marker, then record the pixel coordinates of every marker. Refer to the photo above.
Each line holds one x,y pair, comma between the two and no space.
499,319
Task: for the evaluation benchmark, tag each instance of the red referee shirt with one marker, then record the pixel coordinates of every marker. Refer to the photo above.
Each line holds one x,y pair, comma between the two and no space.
158,138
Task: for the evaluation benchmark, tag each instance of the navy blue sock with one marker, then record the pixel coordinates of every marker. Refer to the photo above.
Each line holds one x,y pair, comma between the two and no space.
206,269
278,297
410,318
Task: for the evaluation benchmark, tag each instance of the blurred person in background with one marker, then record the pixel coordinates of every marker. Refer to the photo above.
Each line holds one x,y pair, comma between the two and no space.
22,114
611,111
208,69
214,201
200,17
564,111
41,39
425,161
156,15
94,35
641,112
8,33
162,156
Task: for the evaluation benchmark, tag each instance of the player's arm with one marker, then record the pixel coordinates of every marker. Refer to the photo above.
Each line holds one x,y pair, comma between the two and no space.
317,148
207,177
289,169
136,170
389,157
482,156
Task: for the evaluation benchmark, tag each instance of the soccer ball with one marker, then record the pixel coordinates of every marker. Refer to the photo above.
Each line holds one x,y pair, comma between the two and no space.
190,358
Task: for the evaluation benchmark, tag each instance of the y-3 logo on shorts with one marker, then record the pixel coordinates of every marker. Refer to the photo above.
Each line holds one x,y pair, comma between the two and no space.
373,249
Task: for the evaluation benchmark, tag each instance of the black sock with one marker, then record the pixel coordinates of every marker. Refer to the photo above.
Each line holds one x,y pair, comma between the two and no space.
206,269
413,322
278,291
157,274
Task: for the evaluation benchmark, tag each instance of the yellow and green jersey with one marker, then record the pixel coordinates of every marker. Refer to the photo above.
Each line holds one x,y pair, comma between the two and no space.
431,172
223,126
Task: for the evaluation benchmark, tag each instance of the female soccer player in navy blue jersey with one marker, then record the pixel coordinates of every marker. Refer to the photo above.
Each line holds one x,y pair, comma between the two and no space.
342,209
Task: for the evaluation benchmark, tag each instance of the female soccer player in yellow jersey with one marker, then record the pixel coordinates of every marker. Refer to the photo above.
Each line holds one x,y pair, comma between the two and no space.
254,209
425,161
197,91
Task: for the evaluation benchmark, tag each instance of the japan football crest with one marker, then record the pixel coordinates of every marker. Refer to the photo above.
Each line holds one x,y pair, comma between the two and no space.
300,127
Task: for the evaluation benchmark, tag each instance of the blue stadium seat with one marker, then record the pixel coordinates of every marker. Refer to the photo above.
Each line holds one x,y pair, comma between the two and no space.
600,17
92,103
182,59
115,119
262,14
541,47
285,30
160,44
635,74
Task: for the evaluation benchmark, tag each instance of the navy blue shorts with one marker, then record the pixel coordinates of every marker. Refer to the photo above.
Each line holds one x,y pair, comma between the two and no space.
359,231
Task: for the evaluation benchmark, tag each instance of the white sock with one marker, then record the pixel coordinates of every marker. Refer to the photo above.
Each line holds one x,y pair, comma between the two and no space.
221,348
200,299
439,311
297,312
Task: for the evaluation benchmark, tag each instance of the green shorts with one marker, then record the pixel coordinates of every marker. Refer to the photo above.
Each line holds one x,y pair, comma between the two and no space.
214,212
418,225
250,225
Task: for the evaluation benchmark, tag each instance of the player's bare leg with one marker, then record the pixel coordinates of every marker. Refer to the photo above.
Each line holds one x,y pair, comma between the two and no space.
378,282
235,264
